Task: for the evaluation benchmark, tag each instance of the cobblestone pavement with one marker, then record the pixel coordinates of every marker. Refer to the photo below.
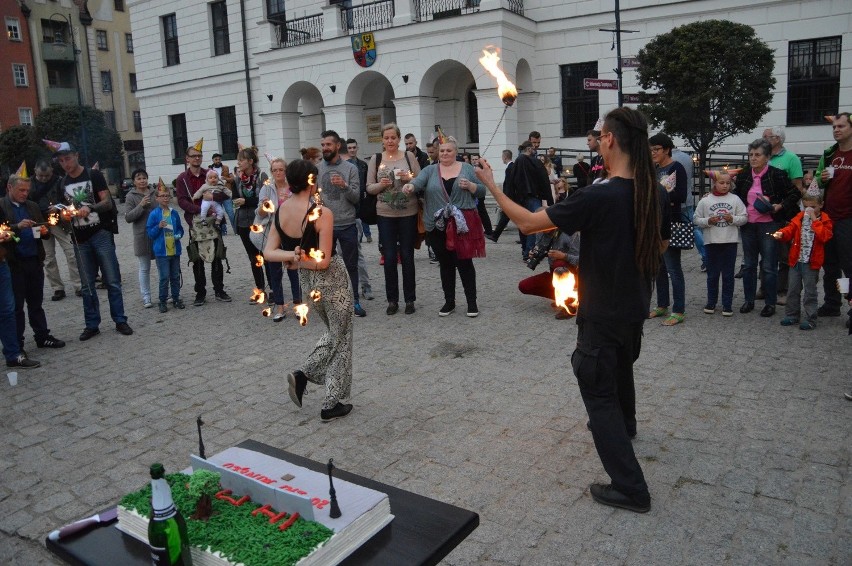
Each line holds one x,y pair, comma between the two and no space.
743,428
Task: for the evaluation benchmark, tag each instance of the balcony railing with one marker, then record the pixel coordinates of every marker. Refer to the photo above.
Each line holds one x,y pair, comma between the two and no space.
299,31
425,10
57,52
61,95
516,6
367,17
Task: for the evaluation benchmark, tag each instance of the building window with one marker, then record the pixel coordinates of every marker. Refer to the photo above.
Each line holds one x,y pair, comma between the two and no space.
137,121
20,73
13,29
106,81
275,8
128,40
813,83
132,82
228,131
25,116
170,40
101,37
472,117
219,15
119,5
53,31
109,118
180,142
579,106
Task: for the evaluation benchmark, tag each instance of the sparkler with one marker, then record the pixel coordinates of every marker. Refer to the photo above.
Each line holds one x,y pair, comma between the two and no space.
53,219
505,89
564,290
5,228
302,313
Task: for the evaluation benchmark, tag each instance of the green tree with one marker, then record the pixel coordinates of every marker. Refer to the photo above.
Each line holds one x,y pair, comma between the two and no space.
17,144
62,123
713,80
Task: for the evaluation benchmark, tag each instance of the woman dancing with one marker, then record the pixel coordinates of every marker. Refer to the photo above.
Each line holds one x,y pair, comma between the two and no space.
298,232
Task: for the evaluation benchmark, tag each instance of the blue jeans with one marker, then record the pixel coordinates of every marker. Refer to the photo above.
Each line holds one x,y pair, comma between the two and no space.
99,251
348,238
670,268
274,273
144,277
528,241
758,241
699,234
401,231
365,228
228,205
8,333
169,268
721,260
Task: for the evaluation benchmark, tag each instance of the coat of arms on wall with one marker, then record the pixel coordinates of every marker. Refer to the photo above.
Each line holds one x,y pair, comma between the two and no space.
364,49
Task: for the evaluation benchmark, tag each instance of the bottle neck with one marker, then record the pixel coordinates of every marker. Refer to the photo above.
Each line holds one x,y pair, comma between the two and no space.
161,500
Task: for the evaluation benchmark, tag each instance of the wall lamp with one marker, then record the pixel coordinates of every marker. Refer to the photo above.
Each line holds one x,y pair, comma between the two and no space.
333,88
405,79
269,97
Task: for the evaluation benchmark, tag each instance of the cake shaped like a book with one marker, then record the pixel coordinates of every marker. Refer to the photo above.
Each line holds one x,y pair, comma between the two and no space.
267,512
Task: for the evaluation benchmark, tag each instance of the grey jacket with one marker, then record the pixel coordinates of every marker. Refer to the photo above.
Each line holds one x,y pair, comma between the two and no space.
341,201
428,184
137,215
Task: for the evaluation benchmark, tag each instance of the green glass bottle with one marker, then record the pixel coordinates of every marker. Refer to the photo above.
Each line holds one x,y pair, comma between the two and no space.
166,527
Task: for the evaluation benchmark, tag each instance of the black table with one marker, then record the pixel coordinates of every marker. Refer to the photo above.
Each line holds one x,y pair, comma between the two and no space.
423,530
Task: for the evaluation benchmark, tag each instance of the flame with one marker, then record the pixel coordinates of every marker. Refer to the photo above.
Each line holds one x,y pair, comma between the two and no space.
505,89
53,219
310,179
317,255
5,228
266,312
258,260
256,228
315,214
258,296
267,206
316,295
302,313
565,290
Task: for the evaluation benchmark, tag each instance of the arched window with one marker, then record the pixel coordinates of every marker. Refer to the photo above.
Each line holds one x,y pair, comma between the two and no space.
472,117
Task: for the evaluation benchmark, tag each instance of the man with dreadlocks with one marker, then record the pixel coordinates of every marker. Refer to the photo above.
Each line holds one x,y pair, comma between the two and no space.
623,237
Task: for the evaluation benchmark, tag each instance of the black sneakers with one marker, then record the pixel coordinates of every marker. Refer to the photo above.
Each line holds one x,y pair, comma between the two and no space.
336,412
58,295
447,309
50,342
24,362
199,300
297,382
359,310
223,297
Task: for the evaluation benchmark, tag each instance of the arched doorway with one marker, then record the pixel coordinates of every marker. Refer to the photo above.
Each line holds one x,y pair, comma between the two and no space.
451,84
302,117
369,104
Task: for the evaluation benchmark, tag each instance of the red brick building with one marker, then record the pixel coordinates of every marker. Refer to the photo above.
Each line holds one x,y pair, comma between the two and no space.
18,89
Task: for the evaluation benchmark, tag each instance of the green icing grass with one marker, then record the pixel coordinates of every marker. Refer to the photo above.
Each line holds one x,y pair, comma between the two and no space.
234,532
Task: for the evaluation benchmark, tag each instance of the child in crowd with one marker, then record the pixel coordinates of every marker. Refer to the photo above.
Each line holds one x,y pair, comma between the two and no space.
165,230
213,185
719,215
809,231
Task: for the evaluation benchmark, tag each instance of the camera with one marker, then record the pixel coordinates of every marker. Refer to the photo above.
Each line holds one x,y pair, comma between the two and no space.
539,251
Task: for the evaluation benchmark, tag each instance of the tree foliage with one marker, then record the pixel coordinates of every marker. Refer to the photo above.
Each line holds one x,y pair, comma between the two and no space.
17,144
713,80
62,123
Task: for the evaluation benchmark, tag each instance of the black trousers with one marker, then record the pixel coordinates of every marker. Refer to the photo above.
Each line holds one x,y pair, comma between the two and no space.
217,275
28,286
449,263
603,364
483,216
251,252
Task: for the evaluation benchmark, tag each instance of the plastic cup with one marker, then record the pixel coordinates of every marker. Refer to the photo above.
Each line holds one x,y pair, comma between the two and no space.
13,378
830,170
843,285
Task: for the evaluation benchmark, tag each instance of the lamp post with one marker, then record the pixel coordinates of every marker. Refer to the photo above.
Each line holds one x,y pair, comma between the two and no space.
75,52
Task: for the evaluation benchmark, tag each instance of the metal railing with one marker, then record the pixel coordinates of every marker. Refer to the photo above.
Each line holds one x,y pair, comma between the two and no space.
516,6
367,17
299,31
425,10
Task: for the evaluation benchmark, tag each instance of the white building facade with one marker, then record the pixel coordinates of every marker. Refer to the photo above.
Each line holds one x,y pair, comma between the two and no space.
283,71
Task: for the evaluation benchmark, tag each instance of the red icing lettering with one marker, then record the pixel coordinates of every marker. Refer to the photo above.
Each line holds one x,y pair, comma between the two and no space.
224,496
291,489
319,503
289,522
267,510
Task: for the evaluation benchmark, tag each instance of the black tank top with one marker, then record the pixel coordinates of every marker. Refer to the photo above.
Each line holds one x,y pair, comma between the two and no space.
309,239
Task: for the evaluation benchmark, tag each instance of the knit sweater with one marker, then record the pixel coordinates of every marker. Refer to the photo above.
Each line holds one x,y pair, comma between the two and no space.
714,206
428,184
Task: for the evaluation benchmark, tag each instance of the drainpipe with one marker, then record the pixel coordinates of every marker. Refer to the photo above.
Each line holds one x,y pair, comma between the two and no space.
246,66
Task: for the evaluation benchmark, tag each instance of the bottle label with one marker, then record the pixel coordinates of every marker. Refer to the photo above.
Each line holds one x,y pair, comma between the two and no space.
159,556
163,514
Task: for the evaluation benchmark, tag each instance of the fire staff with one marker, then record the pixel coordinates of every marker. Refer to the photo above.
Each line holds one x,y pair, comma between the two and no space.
623,237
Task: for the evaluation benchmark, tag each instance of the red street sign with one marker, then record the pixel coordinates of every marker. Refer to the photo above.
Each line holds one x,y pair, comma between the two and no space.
629,62
600,84
631,98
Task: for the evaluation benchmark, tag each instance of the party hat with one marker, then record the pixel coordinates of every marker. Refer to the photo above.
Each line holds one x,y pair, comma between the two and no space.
199,145
96,166
22,171
53,145
161,186
814,189
441,137
268,157
599,124
240,146
829,118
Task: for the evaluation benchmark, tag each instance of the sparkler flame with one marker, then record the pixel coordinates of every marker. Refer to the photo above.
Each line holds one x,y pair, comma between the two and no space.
266,312
505,89
302,313
5,228
256,228
267,206
565,290
317,255
53,219
258,260
316,295
258,296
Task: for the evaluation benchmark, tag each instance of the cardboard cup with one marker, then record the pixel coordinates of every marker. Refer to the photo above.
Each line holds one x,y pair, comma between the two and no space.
13,378
843,285
36,232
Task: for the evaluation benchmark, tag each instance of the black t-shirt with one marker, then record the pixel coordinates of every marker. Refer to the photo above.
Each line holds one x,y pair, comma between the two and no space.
81,191
610,288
